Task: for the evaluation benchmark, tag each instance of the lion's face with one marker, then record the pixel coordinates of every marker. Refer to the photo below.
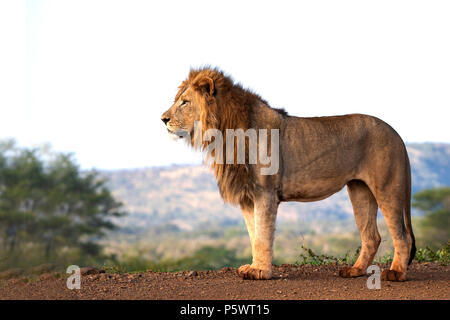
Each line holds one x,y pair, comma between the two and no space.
181,116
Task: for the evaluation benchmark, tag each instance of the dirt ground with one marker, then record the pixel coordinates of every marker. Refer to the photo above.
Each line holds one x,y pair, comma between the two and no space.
425,281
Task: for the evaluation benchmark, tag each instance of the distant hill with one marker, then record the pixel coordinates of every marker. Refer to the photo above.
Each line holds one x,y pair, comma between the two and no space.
187,198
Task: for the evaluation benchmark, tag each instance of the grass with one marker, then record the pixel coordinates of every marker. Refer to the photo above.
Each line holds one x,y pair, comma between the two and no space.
205,258
309,257
442,256
217,257
213,258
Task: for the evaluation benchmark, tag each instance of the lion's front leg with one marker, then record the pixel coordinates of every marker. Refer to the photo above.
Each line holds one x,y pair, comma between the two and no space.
264,217
249,217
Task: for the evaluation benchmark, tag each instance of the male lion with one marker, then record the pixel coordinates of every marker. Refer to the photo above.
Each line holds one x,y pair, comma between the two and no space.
318,157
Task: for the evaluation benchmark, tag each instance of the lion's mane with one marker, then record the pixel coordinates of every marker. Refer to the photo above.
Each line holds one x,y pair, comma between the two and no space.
227,106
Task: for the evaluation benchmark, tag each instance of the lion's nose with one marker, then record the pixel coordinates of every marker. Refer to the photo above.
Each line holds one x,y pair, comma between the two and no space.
165,120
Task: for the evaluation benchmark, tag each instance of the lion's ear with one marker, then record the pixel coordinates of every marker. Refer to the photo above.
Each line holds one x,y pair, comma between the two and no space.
206,84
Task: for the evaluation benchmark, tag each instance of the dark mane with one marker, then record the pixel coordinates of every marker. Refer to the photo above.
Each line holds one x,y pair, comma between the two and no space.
281,111
229,108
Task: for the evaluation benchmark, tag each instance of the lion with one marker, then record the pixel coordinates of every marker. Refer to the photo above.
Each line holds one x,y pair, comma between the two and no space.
318,156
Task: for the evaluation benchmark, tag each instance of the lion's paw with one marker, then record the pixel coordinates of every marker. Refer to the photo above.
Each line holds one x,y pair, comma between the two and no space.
350,272
392,275
248,273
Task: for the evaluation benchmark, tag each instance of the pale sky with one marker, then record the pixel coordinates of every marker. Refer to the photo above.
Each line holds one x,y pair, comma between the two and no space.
93,77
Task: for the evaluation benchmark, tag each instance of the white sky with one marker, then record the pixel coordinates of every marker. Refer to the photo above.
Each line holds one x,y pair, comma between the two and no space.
93,77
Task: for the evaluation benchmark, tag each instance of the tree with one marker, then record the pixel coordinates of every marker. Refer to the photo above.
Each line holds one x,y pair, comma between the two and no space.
48,202
20,178
435,225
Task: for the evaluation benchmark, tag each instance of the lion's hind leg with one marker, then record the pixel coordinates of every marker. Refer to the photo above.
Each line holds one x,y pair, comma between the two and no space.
402,243
365,209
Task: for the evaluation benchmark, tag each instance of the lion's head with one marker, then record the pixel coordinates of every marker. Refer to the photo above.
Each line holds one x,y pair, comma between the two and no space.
195,101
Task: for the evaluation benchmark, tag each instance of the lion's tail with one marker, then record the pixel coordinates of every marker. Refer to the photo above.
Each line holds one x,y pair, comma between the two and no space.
407,212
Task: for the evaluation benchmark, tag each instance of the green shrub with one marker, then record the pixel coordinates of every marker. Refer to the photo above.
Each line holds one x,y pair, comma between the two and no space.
441,256
311,258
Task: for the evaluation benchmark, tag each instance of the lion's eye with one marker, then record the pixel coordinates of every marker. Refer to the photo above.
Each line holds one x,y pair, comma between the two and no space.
184,103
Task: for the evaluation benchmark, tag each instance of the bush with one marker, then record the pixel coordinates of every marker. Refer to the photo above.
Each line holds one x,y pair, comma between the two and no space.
441,256
311,258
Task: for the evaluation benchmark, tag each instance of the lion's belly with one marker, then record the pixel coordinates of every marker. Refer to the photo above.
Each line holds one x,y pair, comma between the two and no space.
311,180
306,192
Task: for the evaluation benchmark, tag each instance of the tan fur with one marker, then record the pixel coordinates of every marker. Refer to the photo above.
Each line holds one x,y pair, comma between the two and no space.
318,157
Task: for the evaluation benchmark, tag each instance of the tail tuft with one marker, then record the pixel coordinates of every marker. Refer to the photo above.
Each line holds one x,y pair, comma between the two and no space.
413,251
